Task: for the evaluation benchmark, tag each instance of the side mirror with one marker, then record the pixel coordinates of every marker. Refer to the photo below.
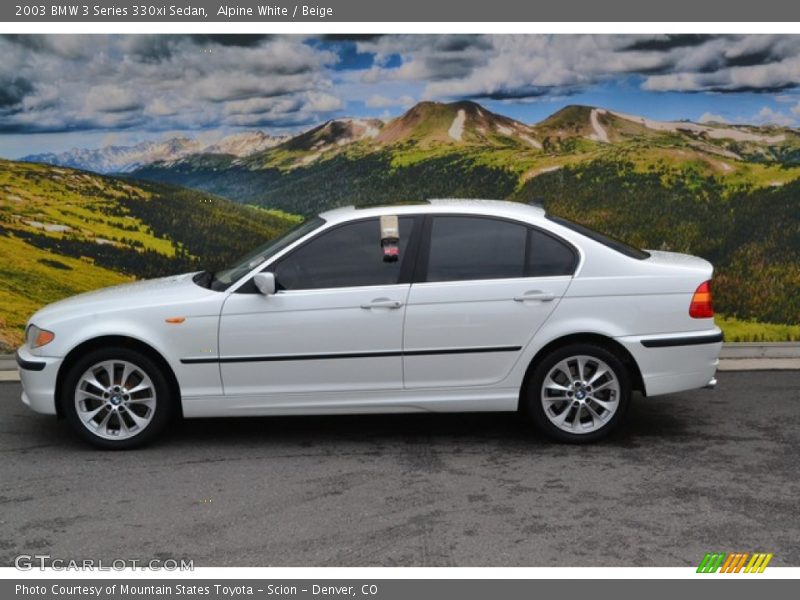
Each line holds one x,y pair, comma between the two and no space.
265,282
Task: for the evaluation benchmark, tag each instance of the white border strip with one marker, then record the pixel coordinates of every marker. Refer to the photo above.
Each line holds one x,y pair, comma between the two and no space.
323,27
378,573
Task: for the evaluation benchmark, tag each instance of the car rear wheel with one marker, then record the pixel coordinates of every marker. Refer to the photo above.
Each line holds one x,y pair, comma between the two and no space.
578,393
116,398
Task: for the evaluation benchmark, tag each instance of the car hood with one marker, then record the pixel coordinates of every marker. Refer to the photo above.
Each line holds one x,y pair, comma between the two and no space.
176,289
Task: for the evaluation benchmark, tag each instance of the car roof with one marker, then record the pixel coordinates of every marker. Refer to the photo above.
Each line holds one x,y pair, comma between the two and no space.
496,208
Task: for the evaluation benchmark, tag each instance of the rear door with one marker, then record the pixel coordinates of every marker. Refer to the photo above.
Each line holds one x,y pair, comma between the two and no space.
483,287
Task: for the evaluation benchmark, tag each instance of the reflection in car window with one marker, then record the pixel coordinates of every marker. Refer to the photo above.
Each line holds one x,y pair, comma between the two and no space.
346,256
464,248
222,280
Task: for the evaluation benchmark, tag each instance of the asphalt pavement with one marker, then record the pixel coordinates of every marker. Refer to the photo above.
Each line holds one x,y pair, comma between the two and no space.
709,470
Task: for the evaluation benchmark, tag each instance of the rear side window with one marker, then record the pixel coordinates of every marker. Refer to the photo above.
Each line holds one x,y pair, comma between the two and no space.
466,248
345,256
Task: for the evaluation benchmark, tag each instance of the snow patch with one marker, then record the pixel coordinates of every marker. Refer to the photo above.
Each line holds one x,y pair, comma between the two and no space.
457,128
716,133
541,171
57,228
505,130
530,140
308,159
600,134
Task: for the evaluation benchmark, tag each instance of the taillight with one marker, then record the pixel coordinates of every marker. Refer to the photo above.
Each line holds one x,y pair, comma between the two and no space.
702,306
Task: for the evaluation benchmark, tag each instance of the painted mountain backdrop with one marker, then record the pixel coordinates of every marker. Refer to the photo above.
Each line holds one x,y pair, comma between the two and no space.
729,193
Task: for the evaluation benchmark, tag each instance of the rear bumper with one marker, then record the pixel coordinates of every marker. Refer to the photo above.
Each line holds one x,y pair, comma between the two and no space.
676,362
38,377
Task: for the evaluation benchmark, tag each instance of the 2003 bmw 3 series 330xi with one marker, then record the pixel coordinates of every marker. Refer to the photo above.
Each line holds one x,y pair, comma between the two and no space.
443,306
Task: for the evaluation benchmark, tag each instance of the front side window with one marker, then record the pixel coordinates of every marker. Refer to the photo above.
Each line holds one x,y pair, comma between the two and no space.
222,280
345,256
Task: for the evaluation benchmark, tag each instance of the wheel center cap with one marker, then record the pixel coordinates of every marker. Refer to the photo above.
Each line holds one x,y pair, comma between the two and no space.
116,400
580,394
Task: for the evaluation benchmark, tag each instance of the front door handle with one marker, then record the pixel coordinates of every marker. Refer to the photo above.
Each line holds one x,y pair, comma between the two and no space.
383,303
535,295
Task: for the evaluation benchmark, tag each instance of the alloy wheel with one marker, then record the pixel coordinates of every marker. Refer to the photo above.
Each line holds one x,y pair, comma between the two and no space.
580,394
115,399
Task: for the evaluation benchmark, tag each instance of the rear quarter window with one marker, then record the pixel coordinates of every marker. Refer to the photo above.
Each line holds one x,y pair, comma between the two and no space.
548,256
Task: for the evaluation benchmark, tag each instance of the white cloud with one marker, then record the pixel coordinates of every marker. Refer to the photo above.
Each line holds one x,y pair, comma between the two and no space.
57,83
515,66
322,102
111,99
381,101
708,117
768,116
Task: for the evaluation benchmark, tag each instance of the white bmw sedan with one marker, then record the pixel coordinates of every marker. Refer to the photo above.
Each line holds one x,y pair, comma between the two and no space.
441,306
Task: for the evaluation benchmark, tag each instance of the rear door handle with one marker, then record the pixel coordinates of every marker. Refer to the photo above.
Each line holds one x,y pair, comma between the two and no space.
535,295
383,303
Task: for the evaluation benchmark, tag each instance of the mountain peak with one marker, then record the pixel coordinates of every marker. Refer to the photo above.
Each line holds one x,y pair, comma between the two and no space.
334,133
463,121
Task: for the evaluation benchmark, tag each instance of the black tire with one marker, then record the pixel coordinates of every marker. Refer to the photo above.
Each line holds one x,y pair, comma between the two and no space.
164,401
533,406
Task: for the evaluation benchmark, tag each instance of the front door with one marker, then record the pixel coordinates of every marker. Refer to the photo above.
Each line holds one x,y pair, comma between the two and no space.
335,323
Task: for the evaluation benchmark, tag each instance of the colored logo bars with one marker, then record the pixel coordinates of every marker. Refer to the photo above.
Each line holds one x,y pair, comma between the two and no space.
734,562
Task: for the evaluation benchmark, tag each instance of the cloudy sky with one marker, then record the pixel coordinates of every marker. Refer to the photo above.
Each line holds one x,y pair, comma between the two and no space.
62,91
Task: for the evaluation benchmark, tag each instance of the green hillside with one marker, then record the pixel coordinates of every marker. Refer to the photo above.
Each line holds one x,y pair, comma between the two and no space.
64,231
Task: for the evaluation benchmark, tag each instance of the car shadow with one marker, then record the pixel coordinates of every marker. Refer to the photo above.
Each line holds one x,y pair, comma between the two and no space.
647,419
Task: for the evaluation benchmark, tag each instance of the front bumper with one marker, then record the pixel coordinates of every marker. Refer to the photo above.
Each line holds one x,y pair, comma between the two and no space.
38,375
676,362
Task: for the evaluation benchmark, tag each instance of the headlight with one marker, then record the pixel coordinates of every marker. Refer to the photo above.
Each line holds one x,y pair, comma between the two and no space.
36,337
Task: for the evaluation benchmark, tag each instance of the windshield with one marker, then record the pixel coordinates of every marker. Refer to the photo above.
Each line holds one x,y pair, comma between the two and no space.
222,280
614,244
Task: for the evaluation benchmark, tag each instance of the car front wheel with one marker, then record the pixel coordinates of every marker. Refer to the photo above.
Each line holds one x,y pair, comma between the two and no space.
116,398
578,393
